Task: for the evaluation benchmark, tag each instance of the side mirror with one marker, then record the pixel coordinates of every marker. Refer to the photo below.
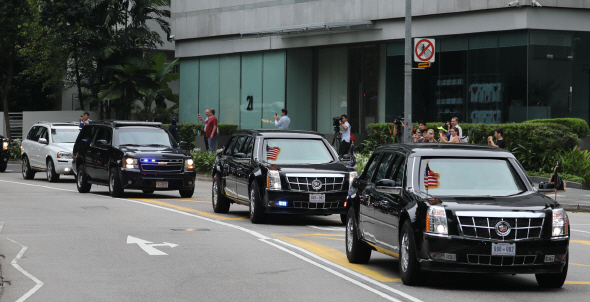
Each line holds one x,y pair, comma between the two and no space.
183,145
240,155
101,142
43,141
346,157
387,186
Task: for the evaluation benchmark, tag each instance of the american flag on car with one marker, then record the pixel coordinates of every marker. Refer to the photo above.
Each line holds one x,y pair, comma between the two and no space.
430,178
272,153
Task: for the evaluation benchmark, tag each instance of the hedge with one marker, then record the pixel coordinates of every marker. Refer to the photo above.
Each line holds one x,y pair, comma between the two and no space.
578,125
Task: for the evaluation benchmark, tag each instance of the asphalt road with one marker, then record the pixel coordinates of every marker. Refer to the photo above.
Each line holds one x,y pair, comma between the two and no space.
59,245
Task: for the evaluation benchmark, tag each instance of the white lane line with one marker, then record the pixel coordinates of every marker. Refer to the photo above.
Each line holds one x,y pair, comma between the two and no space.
384,295
580,231
341,229
14,262
254,233
361,276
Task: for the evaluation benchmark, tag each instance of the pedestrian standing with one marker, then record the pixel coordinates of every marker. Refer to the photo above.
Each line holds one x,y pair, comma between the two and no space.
85,119
211,132
500,143
284,121
345,143
204,122
455,124
173,129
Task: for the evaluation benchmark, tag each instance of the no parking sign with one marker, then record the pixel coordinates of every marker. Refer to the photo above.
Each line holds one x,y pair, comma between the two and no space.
423,50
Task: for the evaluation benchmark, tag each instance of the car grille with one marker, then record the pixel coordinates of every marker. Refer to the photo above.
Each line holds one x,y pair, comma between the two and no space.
162,165
483,225
501,260
314,205
303,183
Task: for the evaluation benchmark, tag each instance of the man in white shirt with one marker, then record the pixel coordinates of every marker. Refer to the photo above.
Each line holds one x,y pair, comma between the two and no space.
345,143
455,123
204,121
284,121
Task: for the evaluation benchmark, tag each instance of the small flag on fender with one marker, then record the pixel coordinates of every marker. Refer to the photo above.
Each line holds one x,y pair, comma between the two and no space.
431,178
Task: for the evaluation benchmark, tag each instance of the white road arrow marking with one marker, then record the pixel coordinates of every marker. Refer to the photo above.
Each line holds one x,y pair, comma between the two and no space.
148,246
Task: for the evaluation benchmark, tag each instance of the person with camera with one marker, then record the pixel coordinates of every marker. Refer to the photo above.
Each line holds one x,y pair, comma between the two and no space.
345,143
284,121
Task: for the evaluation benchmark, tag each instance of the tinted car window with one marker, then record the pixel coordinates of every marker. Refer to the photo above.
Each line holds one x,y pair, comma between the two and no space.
297,151
250,147
245,144
384,166
399,171
86,133
65,135
38,133
104,134
32,132
44,134
370,168
230,146
144,136
238,144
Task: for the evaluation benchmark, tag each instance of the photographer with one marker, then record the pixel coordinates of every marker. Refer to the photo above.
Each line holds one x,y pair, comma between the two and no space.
345,143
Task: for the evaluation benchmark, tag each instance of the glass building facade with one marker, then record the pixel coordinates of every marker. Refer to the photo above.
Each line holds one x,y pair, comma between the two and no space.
496,77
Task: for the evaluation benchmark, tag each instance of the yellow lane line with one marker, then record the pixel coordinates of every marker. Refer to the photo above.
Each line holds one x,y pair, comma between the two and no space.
579,264
335,256
581,241
578,282
191,210
315,234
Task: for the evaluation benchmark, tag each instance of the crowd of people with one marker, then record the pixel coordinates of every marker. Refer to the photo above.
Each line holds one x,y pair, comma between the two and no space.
452,133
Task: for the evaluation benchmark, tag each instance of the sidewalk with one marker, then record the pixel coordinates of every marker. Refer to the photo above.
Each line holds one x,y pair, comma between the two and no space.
572,200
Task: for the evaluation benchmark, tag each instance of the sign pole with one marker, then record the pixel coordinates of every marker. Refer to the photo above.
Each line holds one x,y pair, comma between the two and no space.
407,137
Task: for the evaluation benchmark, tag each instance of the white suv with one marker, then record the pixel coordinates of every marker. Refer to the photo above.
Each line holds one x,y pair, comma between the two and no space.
48,147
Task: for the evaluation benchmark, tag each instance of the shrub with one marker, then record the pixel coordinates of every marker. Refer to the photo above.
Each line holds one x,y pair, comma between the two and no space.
227,129
15,151
204,160
577,125
563,176
361,161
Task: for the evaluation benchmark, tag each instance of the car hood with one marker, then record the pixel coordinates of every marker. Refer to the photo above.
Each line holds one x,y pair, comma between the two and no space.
62,146
335,167
527,201
154,152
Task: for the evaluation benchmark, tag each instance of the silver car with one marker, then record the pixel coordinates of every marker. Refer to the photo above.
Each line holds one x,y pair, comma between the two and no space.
48,148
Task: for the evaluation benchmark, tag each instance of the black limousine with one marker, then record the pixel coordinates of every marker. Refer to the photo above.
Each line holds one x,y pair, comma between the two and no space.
281,171
455,208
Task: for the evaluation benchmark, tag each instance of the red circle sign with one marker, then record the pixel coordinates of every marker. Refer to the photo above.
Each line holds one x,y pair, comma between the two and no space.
420,54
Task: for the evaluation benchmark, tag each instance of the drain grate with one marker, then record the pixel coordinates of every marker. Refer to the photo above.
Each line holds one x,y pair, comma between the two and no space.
94,208
191,230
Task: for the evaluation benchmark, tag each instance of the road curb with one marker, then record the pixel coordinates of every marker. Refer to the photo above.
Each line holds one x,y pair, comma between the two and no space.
576,207
568,184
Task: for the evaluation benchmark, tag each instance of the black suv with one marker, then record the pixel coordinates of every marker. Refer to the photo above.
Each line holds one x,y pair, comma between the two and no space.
132,155
4,153
279,171
456,208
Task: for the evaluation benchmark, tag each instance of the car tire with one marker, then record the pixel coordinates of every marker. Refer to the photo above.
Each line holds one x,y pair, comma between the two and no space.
187,193
344,218
357,251
148,191
28,173
82,180
52,176
220,203
3,166
553,280
409,268
256,209
115,188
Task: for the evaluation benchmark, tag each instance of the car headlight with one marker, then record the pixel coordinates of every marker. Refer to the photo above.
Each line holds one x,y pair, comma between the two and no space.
5,146
273,180
351,177
189,164
64,155
559,227
436,220
130,163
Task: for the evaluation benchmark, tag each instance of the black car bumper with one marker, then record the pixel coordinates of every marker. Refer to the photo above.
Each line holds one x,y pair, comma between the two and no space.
4,157
285,202
475,256
136,180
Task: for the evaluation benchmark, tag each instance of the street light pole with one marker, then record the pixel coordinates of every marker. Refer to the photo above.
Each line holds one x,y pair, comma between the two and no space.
408,75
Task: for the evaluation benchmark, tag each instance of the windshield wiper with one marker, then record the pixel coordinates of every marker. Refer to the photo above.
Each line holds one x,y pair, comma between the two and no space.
156,145
132,145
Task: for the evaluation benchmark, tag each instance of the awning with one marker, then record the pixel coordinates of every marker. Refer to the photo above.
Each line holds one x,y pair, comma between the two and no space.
311,28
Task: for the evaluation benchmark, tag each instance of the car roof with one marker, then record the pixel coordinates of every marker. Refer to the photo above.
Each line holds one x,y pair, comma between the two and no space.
276,133
448,150
57,124
126,124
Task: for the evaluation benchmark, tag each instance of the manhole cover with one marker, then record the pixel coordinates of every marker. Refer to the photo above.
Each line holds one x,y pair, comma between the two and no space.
94,208
191,230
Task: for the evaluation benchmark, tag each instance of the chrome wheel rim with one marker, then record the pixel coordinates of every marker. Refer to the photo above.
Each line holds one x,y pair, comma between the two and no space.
79,178
405,254
252,203
49,170
25,167
215,192
349,232
111,183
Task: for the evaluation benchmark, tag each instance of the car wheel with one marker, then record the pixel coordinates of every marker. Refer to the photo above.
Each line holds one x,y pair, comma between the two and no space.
357,251
82,180
3,166
187,193
220,203
115,188
344,218
553,280
28,173
409,268
256,209
52,176
148,191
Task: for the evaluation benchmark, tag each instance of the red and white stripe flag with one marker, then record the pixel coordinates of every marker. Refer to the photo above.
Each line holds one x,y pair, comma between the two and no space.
272,153
430,178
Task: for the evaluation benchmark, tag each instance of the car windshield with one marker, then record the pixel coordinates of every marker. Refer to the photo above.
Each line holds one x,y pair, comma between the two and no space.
296,151
150,137
65,135
469,177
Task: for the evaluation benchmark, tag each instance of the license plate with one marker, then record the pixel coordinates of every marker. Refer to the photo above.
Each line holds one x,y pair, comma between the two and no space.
504,249
161,184
317,198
